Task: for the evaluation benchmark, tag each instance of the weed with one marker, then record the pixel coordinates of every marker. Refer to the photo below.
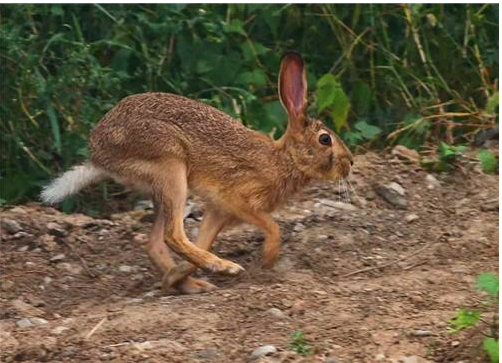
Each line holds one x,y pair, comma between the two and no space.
300,344
469,318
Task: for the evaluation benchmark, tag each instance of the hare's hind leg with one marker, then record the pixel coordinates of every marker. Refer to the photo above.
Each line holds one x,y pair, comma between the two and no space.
172,192
213,222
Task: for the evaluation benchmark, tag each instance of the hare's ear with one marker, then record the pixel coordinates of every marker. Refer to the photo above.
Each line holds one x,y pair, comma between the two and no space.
293,88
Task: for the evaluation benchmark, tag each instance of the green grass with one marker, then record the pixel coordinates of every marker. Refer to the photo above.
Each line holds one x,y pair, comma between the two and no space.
413,74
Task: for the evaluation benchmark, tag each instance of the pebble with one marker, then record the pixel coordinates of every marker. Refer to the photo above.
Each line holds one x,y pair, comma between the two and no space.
322,237
25,322
55,229
398,188
264,350
22,234
421,333
410,218
59,330
208,354
391,195
338,205
58,257
143,205
10,225
380,357
73,269
276,313
298,227
432,182
125,268
332,360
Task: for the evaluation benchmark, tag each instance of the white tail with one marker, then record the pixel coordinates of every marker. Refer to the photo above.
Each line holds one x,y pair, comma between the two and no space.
71,182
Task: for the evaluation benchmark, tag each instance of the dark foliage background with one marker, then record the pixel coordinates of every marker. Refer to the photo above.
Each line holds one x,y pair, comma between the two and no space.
379,74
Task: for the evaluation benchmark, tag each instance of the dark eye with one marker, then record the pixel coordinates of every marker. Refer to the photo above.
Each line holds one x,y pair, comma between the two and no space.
325,139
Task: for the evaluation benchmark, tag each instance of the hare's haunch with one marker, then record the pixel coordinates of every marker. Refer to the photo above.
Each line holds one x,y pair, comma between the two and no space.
168,145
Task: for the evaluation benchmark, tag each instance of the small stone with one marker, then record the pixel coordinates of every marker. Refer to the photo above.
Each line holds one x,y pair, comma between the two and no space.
48,242
25,308
59,330
208,354
140,238
338,205
79,220
298,308
263,351
455,343
55,229
391,195
421,333
24,323
396,187
38,321
72,269
490,205
22,234
276,313
380,357
47,280
6,285
332,360
298,227
125,268
432,182
58,257
322,237
10,225
410,218
406,154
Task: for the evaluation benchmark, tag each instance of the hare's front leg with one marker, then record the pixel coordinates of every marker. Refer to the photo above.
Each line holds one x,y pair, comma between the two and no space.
172,192
213,222
267,225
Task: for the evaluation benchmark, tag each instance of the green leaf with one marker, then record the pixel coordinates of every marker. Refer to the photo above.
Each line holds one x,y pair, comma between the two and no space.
368,131
362,96
463,319
492,103
488,283
325,91
256,77
250,49
491,347
330,96
236,26
488,160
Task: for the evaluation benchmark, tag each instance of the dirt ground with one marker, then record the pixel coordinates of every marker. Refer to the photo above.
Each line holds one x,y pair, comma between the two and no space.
75,288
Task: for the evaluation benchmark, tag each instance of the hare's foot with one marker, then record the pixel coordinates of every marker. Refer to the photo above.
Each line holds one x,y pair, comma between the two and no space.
221,266
191,285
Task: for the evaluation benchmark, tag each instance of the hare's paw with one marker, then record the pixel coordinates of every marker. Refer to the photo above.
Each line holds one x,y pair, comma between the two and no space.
221,266
191,285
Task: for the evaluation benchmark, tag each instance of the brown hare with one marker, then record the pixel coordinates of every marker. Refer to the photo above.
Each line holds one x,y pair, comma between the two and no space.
167,145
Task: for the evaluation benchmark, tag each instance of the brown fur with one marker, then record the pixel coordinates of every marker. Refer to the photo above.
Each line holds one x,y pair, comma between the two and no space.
168,144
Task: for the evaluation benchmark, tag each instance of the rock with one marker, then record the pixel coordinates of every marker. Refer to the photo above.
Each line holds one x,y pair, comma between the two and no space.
6,285
298,308
125,268
264,350
402,152
455,343
140,238
22,234
332,360
59,330
24,323
55,229
47,280
34,300
143,205
72,269
431,181
322,237
397,187
276,313
162,344
79,220
38,321
391,195
58,257
48,243
25,308
298,227
410,218
10,226
338,205
380,357
421,333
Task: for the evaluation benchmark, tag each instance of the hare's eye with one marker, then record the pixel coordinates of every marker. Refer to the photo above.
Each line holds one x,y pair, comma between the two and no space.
325,139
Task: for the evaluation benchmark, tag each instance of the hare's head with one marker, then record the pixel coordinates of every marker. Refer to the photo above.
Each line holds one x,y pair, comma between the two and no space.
315,149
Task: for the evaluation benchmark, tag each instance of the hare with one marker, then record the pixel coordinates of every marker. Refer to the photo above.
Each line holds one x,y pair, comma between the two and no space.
167,145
